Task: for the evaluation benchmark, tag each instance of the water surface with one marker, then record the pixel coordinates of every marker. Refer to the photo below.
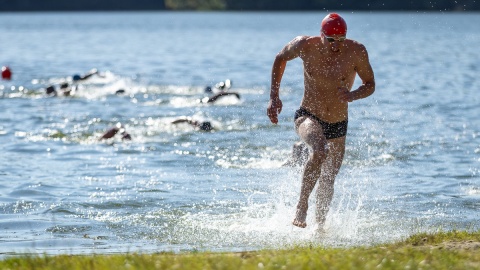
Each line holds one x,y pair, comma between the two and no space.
413,148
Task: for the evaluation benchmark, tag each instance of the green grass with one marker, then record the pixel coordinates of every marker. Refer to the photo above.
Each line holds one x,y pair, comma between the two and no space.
443,250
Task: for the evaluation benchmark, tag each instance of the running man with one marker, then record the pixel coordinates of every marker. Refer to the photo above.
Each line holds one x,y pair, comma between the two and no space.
330,64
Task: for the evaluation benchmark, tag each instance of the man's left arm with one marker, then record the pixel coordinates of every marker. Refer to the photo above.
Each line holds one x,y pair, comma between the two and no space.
365,72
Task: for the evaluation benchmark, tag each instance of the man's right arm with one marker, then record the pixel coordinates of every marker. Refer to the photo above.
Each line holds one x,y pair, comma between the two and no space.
290,51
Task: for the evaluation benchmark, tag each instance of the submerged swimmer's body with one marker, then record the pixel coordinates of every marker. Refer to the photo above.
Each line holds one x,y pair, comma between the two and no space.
330,63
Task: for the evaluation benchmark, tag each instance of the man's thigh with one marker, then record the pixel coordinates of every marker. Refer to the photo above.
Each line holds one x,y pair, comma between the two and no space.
310,131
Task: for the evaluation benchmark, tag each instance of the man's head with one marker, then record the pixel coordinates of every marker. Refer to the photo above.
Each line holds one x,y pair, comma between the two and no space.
334,29
6,73
334,25
50,90
206,126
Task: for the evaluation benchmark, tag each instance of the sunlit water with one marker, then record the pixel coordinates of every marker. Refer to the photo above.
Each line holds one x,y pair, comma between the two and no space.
413,148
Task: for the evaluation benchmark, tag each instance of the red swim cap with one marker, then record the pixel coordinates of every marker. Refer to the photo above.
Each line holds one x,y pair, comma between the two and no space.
333,24
6,73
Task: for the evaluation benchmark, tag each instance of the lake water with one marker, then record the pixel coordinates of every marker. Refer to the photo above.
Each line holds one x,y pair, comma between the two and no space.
413,148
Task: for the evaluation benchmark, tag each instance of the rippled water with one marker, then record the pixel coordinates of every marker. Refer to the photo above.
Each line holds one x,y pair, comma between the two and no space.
413,148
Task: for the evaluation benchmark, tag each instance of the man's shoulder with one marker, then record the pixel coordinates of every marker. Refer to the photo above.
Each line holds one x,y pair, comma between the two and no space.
305,42
356,46
358,51
305,39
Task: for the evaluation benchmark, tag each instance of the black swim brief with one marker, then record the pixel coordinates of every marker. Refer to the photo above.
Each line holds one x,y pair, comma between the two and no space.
330,130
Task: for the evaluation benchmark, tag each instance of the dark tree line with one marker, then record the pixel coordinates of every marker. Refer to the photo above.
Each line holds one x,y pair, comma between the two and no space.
80,5
240,5
405,5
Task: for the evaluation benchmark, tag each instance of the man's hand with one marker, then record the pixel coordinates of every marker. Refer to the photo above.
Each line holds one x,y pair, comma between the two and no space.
344,95
273,109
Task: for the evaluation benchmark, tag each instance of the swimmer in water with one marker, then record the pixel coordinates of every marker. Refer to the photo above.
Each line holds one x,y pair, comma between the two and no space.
200,125
118,128
86,76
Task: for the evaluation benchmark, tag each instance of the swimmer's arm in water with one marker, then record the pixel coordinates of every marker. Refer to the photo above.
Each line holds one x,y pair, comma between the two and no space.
215,97
182,120
190,121
113,131
109,134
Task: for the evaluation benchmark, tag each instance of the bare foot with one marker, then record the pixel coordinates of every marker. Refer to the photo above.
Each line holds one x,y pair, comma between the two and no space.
319,230
300,218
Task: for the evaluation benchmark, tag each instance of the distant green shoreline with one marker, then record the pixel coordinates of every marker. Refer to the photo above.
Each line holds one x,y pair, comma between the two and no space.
443,250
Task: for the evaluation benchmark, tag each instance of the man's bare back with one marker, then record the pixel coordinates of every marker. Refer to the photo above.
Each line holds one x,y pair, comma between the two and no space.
330,63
